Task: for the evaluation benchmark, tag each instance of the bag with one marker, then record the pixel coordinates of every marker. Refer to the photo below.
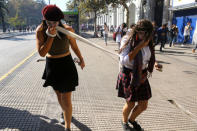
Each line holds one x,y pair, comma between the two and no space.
114,36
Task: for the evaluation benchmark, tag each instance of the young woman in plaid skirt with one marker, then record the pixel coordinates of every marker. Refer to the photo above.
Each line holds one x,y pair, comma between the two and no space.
137,57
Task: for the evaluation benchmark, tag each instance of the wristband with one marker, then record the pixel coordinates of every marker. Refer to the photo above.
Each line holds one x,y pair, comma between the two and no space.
47,32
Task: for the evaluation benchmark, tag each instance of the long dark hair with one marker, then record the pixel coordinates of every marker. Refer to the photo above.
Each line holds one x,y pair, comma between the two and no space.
142,25
44,28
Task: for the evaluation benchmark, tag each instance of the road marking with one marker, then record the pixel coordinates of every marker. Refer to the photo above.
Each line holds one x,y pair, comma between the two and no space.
18,65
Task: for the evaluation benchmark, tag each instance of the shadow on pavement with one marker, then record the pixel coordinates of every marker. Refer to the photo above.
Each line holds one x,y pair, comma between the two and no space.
163,62
172,52
80,125
86,35
23,120
189,72
175,53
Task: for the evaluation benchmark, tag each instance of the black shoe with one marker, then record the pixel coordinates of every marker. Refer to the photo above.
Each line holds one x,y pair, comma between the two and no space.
125,126
62,119
136,125
67,129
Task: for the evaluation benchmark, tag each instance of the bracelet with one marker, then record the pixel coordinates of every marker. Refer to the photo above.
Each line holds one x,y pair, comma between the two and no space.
47,32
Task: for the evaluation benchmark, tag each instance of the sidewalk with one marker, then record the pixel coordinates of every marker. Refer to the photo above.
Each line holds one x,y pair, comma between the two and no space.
26,105
12,34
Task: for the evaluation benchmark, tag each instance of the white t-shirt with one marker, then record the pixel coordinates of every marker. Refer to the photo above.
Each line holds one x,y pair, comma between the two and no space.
124,58
187,30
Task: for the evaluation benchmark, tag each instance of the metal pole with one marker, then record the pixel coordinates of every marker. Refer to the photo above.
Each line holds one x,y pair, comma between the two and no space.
49,2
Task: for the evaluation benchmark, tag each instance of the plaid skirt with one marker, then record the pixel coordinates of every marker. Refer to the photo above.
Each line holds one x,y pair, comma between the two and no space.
61,74
132,94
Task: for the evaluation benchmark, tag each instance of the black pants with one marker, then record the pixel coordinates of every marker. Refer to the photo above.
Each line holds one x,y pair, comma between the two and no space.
163,42
186,39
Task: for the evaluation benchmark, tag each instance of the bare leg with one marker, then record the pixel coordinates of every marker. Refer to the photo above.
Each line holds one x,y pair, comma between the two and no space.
67,108
142,106
126,110
59,97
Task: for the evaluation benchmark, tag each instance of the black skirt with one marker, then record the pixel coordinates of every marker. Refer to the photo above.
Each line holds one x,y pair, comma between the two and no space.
61,74
132,94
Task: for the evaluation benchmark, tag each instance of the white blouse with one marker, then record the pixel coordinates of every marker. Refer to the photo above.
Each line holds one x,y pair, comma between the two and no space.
124,58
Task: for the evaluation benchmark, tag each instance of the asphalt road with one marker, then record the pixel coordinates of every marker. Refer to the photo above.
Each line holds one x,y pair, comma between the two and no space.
15,49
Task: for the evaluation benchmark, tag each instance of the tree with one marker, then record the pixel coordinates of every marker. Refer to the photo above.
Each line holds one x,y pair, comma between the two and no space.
71,5
115,3
3,11
25,12
95,6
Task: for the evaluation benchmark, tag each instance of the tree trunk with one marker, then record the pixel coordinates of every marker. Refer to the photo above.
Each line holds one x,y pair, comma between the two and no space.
127,9
95,30
2,21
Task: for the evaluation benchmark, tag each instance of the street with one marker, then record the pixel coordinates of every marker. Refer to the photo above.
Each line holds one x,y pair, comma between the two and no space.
26,105
15,49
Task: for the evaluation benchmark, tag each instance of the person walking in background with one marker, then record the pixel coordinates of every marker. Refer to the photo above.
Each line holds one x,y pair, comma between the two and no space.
106,31
155,35
120,32
173,35
111,29
162,36
186,33
194,39
60,71
124,29
194,49
137,57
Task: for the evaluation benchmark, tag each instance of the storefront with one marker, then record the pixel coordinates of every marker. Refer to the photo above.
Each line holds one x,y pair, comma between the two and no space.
184,11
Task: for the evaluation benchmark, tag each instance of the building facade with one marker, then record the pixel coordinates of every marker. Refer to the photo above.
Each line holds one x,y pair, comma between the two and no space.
184,11
138,9
117,16
177,12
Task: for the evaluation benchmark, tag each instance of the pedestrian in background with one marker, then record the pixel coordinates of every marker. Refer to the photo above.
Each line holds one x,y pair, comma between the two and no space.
60,71
173,35
106,31
186,33
111,29
124,29
137,57
194,39
120,32
155,35
162,36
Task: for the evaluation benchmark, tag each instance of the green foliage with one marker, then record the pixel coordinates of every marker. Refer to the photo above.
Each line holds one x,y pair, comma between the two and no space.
16,21
116,2
97,6
25,12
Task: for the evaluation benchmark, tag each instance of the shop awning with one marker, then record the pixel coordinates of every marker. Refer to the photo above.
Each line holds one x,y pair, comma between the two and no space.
184,7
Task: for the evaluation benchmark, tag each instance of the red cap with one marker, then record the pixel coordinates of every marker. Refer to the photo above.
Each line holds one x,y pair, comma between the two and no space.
52,13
